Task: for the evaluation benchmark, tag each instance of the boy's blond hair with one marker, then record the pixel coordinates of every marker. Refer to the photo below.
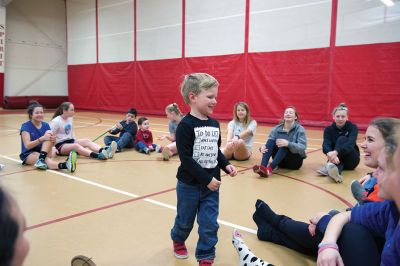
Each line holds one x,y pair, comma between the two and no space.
195,83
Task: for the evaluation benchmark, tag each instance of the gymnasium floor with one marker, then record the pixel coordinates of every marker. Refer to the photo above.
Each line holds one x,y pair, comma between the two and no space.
120,211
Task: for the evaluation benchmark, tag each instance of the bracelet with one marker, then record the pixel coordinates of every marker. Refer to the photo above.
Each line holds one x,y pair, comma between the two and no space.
323,244
237,136
326,247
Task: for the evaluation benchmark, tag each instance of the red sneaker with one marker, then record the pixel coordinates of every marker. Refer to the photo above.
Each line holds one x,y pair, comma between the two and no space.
265,171
257,169
180,250
206,262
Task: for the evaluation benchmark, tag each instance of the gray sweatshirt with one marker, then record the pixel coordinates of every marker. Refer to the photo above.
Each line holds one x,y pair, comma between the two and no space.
296,137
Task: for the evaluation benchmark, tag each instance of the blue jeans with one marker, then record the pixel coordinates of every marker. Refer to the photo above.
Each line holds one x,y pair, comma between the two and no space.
140,146
192,200
126,141
282,157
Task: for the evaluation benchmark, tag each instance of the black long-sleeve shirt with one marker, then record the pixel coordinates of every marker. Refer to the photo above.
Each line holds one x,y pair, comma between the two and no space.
332,133
198,143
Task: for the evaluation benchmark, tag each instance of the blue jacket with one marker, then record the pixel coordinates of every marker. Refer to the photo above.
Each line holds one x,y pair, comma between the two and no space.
381,218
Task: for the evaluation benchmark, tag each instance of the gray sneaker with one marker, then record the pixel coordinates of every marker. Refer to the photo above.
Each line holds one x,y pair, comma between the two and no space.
323,170
166,153
41,164
111,149
333,172
358,191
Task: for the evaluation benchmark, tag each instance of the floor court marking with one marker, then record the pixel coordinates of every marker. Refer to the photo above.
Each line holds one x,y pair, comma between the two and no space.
244,169
249,230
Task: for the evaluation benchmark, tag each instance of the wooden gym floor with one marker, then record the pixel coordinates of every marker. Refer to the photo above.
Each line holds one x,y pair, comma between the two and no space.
120,211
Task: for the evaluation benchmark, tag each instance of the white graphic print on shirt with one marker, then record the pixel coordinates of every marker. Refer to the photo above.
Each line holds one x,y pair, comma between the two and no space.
205,149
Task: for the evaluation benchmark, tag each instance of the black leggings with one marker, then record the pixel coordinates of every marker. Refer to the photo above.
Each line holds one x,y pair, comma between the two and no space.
349,160
356,244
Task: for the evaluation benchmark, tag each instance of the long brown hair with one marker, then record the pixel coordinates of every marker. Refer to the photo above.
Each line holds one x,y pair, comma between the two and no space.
60,110
244,105
31,107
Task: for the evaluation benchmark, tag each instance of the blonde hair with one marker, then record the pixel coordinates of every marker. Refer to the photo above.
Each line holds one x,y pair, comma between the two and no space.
246,107
195,83
173,108
340,107
392,144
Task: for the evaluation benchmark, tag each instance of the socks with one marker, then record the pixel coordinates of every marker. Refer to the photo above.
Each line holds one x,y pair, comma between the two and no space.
62,165
42,155
246,256
101,149
94,155
265,212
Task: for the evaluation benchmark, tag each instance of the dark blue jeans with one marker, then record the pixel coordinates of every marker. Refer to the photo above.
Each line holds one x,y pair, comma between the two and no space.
349,160
140,146
192,200
282,157
126,141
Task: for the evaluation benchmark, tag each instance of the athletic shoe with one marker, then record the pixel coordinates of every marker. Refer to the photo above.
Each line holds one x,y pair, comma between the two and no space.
71,161
2,166
180,250
358,191
81,260
111,149
158,148
323,170
147,150
262,170
206,262
333,172
166,153
41,164
103,155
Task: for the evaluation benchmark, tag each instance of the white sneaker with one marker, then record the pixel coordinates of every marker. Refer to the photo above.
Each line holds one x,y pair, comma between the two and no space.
111,149
2,166
158,148
333,172
166,153
323,170
71,162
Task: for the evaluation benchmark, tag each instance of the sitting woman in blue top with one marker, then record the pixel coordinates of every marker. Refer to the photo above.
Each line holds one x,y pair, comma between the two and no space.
37,141
241,132
379,218
340,145
286,144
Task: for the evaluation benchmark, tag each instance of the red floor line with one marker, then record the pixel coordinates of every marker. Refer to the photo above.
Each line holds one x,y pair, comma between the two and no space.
320,188
96,209
13,173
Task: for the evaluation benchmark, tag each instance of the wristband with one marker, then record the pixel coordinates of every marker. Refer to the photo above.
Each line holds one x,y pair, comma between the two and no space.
237,136
326,247
322,244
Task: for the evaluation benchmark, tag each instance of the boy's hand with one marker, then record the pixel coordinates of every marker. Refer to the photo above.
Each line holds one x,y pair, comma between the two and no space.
118,125
151,147
214,184
231,170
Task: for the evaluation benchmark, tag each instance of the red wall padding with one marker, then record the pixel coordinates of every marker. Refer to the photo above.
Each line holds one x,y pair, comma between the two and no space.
1,89
366,77
21,102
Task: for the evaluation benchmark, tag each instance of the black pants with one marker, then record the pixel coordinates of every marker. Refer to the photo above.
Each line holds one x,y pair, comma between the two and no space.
356,244
281,157
348,160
